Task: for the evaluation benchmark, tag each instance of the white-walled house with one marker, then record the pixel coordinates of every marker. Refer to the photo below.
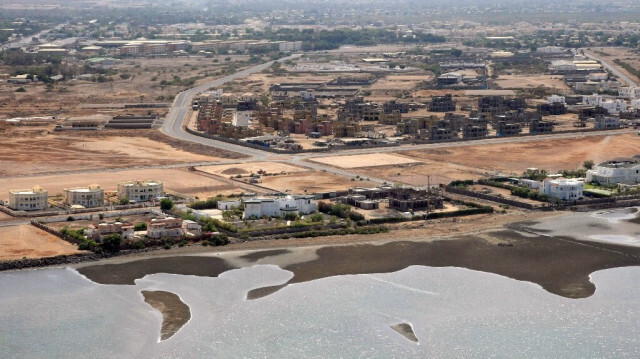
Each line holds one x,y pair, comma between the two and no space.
562,188
629,92
620,170
614,106
229,204
556,99
279,206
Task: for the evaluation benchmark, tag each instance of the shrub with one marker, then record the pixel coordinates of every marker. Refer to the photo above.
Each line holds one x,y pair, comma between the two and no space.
111,243
166,204
140,226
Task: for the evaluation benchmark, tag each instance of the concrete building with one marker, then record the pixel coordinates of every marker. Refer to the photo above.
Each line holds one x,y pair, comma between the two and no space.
556,99
34,199
140,191
165,227
614,106
88,197
629,92
279,206
602,122
98,231
562,188
229,204
616,171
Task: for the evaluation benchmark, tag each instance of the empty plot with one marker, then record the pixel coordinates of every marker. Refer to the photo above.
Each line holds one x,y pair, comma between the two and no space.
250,167
368,160
17,242
312,182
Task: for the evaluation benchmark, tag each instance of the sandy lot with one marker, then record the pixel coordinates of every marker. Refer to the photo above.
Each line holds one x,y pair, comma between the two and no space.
178,180
355,161
28,241
423,174
245,169
311,182
552,155
530,81
54,153
400,82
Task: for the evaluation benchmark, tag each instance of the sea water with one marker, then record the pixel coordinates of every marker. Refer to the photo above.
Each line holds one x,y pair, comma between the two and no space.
455,313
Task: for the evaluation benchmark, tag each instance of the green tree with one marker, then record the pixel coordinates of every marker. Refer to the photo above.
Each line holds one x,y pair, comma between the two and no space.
166,204
588,164
111,243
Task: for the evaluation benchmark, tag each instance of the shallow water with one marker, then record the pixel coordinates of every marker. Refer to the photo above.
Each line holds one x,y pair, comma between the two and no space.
454,312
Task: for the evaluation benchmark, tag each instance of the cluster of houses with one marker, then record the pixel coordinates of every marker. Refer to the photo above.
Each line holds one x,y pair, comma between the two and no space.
36,198
621,172
156,228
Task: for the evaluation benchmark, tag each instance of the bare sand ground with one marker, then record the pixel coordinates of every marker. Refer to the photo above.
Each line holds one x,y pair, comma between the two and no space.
250,167
28,241
552,155
530,81
311,182
423,174
368,160
178,180
52,153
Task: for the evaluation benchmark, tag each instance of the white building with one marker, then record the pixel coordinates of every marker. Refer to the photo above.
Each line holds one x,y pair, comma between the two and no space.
606,122
629,92
556,99
562,188
620,170
229,204
532,184
279,206
92,196
592,100
614,106
34,199
288,46
308,95
140,191
635,103
191,227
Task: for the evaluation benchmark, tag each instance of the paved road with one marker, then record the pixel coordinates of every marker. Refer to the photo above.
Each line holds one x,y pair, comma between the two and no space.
613,68
175,120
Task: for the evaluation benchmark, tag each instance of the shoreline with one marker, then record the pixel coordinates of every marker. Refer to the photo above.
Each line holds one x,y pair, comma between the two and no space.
417,230
561,265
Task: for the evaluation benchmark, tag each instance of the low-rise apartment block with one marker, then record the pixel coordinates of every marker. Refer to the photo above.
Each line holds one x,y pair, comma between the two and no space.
140,191
34,199
88,197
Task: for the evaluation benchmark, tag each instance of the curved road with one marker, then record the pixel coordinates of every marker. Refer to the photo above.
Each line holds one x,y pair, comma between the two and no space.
175,119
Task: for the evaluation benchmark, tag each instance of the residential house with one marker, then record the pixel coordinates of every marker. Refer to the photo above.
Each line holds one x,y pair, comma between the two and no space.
91,196
562,188
165,227
616,171
140,191
34,199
